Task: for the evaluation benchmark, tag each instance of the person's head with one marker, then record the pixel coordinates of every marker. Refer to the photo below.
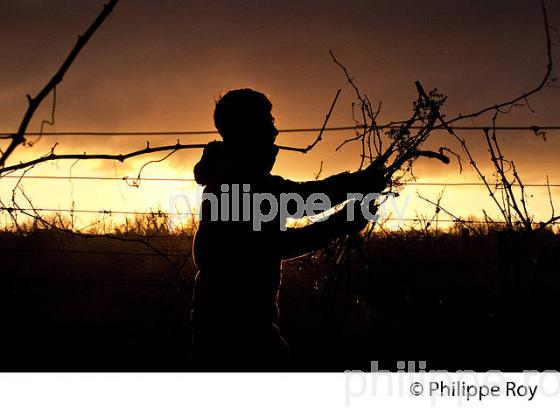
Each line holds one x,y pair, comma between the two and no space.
243,117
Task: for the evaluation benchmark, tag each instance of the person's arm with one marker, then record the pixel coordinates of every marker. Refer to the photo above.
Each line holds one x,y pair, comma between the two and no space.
337,187
299,241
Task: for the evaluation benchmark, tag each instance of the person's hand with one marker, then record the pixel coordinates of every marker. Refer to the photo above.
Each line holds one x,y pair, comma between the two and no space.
375,176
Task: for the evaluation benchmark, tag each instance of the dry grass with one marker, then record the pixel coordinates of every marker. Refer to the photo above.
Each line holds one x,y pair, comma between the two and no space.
84,303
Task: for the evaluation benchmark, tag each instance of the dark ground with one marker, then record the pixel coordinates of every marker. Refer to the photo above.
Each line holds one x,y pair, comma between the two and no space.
477,302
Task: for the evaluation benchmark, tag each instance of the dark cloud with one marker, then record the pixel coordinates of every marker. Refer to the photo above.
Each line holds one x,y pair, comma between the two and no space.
159,64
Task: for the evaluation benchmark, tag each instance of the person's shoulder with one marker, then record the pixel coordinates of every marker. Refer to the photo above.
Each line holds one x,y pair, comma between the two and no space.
280,181
276,178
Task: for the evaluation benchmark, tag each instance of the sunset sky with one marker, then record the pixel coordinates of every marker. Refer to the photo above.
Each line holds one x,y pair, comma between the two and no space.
159,65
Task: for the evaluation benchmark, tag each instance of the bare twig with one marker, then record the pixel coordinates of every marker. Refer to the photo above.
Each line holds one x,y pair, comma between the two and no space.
135,182
113,157
33,102
320,136
438,206
319,172
524,97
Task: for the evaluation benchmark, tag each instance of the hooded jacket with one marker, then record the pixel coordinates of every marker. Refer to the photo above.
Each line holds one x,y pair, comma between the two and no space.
239,267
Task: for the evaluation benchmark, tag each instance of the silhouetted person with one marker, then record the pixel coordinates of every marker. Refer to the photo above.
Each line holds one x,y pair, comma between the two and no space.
235,309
